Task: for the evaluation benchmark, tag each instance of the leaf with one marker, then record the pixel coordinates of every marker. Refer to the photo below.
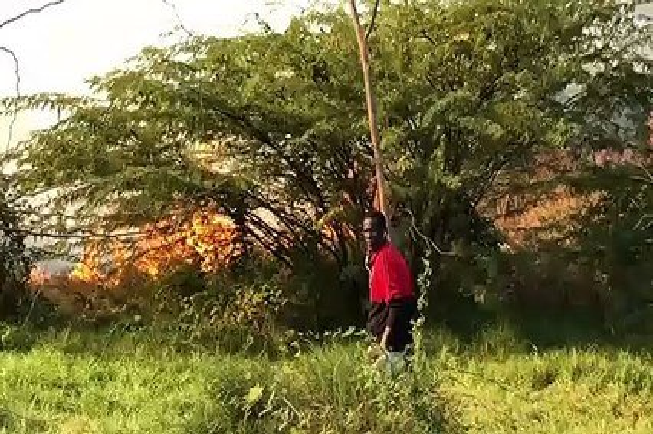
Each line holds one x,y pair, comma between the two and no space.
254,395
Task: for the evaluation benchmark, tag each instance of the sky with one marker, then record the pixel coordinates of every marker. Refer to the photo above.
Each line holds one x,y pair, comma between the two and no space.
66,44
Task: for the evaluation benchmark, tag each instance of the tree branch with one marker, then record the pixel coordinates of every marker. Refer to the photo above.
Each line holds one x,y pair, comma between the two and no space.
30,11
415,230
180,23
428,37
649,175
640,223
370,29
29,233
14,116
371,110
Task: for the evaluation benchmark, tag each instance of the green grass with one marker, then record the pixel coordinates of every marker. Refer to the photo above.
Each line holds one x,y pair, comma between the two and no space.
84,382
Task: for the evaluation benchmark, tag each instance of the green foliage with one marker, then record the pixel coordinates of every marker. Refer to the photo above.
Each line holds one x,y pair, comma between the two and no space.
16,338
466,90
128,382
15,261
614,239
231,310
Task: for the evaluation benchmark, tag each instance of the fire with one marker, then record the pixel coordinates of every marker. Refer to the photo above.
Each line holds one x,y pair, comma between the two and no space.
39,277
206,240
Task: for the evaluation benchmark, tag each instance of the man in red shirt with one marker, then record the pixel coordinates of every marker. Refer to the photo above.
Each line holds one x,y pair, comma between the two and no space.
392,290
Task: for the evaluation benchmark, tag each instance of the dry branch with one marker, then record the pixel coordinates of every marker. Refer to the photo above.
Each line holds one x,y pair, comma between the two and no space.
14,115
375,12
30,11
180,22
371,109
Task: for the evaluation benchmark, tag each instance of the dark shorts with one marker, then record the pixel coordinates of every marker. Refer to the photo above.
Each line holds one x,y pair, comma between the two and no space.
402,333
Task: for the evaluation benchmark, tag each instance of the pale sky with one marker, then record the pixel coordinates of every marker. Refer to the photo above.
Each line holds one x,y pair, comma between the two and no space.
64,45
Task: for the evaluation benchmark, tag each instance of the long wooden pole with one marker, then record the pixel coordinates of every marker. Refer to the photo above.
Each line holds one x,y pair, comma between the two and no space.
371,109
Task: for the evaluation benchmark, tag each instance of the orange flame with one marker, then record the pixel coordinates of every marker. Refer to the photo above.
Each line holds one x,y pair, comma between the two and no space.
206,240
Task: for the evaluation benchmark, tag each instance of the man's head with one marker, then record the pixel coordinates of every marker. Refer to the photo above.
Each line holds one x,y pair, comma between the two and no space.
375,231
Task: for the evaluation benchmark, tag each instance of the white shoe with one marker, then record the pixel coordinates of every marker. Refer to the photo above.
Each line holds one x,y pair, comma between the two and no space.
391,362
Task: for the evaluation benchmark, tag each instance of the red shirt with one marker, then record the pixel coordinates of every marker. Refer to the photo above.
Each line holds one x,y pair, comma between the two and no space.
390,277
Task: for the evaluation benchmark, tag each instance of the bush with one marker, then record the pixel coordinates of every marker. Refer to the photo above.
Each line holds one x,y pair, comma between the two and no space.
233,309
15,263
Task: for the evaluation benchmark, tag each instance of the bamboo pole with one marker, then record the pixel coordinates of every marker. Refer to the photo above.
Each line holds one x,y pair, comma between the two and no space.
371,110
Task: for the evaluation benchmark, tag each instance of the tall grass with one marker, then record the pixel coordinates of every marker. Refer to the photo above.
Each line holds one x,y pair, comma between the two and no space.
66,381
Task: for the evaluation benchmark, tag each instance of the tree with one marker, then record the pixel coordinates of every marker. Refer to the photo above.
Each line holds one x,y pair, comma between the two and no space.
15,262
612,238
466,92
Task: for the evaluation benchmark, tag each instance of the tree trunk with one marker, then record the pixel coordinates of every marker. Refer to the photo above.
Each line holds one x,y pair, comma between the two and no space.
371,110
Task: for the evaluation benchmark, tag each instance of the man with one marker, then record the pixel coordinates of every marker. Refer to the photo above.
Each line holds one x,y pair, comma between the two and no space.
392,292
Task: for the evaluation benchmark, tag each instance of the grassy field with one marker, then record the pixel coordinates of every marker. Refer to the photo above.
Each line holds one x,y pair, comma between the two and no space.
64,381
